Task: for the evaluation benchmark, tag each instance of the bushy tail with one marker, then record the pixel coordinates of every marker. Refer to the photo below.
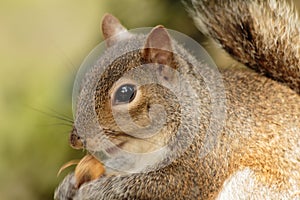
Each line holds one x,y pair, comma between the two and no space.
262,34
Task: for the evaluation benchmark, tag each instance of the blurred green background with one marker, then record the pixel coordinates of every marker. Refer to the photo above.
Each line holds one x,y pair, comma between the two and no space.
42,44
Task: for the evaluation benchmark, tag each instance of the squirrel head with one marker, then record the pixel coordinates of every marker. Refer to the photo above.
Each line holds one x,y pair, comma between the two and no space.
131,106
138,97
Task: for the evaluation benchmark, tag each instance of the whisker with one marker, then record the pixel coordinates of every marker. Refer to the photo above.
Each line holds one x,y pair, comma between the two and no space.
53,115
59,124
60,114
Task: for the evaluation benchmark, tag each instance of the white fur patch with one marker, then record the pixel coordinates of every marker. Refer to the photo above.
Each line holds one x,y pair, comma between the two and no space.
243,185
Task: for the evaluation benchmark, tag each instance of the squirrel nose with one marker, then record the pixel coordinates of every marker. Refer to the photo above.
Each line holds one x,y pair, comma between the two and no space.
76,142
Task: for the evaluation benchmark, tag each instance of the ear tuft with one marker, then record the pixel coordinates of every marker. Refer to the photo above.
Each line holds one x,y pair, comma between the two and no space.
112,29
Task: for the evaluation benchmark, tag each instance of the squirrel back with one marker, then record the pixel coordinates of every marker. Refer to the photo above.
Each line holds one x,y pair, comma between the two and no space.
256,153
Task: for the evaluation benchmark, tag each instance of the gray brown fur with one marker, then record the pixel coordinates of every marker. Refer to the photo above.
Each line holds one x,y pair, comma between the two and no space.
262,127
262,34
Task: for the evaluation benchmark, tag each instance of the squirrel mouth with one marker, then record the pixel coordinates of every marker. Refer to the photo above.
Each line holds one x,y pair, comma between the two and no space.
89,167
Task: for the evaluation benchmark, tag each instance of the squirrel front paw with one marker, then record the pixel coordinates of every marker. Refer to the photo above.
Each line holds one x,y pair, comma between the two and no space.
87,169
101,188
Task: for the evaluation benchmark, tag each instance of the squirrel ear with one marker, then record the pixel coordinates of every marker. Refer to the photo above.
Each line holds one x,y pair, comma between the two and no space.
158,47
112,29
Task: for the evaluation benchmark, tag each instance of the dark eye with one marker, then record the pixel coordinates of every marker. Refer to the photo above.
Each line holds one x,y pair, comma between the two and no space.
125,94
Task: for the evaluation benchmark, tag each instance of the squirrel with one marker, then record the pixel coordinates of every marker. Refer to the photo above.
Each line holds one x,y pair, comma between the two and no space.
256,152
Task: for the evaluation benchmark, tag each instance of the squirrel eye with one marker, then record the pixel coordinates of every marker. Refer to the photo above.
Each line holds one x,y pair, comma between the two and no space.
125,94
